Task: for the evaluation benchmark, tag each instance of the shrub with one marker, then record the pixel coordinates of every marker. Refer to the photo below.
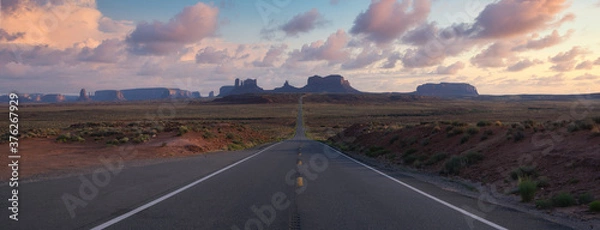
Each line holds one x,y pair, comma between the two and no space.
124,140
543,182
410,152
230,136
113,142
394,139
456,131
459,124
563,200
595,206
498,123
523,171
596,119
489,132
464,138
473,130
454,165
377,151
483,137
182,130
527,190
544,204
585,198
519,136
473,157
208,135
436,158
483,123
425,142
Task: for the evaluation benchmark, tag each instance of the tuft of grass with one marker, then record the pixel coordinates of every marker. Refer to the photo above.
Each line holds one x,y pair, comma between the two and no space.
473,130
454,165
585,198
436,158
543,182
563,200
484,123
473,157
182,130
465,138
544,204
524,171
527,189
377,151
594,206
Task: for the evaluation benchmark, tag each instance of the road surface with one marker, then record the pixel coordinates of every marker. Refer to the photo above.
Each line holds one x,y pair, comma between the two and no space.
293,184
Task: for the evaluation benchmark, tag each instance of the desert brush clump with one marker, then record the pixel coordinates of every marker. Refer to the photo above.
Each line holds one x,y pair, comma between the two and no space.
594,206
563,199
527,189
436,158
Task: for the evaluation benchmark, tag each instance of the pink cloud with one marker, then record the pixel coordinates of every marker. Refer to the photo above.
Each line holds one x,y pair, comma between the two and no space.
587,76
303,23
564,66
494,56
191,25
210,55
109,51
523,64
451,69
569,55
509,18
387,20
331,50
585,65
5,36
366,57
545,42
272,56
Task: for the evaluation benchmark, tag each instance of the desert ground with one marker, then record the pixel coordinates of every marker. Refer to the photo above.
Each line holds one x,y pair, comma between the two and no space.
501,144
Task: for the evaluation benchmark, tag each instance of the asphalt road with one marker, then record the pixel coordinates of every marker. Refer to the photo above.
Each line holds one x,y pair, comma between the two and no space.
294,184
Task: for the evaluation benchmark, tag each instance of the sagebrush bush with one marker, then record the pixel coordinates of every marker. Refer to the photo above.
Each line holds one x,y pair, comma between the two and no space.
595,206
473,157
563,200
473,130
454,165
585,198
543,204
464,139
436,158
484,123
527,189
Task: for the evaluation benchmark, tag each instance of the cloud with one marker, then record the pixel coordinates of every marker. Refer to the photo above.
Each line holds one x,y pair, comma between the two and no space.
40,55
451,69
421,35
523,64
109,51
391,61
272,56
547,81
564,66
210,55
5,36
366,57
303,23
494,56
387,20
545,42
189,26
585,65
508,18
331,50
108,25
587,76
569,55
597,62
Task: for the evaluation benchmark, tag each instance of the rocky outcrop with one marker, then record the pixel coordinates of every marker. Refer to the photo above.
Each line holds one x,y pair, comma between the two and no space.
53,98
248,86
329,84
447,90
109,95
211,94
286,88
83,96
196,94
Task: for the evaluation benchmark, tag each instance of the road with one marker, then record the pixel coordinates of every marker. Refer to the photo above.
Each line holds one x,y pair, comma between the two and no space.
293,184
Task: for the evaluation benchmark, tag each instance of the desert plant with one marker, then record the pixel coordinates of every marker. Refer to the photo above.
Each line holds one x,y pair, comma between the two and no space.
377,151
483,123
473,130
527,189
436,158
454,165
543,182
524,171
124,140
563,200
464,139
585,198
519,136
113,142
394,139
498,123
182,130
594,206
425,142
473,157
543,204
596,119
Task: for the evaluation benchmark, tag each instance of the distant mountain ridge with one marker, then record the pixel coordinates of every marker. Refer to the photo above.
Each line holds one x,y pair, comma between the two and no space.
315,84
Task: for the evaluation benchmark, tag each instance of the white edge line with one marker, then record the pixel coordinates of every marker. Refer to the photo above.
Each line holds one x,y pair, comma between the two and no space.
173,193
494,225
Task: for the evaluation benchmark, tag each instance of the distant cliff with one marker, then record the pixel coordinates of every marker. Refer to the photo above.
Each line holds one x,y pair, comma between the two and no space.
108,95
447,90
316,84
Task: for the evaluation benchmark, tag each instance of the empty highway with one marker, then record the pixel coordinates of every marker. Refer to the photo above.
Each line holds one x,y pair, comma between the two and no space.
293,184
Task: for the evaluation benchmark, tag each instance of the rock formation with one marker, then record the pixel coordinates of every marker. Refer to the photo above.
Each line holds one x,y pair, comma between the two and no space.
53,98
287,88
447,90
329,84
248,86
109,95
211,94
196,94
83,96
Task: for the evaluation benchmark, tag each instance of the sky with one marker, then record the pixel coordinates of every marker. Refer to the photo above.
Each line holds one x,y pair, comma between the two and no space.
502,47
